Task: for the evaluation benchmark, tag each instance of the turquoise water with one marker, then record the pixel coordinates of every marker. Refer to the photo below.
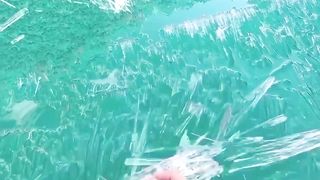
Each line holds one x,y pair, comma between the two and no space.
102,89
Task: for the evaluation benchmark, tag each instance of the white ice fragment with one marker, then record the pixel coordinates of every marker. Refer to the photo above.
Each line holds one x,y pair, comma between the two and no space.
254,139
17,39
234,136
265,28
116,6
8,4
225,122
13,19
126,44
183,126
271,151
20,83
260,91
269,123
78,2
141,162
184,141
224,20
139,147
280,67
276,121
19,111
152,150
194,81
37,82
169,29
120,5
220,33
196,109
252,100
39,10
201,138
193,163
100,177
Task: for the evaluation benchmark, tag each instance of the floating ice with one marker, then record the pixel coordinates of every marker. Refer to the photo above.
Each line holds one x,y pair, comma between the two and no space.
260,91
251,101
225,122
19,111
263,153
141,162
13,19
269,123
223,20
184,141
8,4
116,6
17,39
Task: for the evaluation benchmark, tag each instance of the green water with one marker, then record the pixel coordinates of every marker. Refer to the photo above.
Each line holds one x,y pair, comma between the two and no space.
86,85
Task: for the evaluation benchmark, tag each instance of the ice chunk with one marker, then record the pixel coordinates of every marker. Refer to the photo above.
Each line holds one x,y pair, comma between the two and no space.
256,95
200,26
17,39
224,122
193,163
13,19
139,145
184,141
195,80
116,6
220,33
183,126
7,3
141,162
263,153
269,123
252,99
19,111
196,109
